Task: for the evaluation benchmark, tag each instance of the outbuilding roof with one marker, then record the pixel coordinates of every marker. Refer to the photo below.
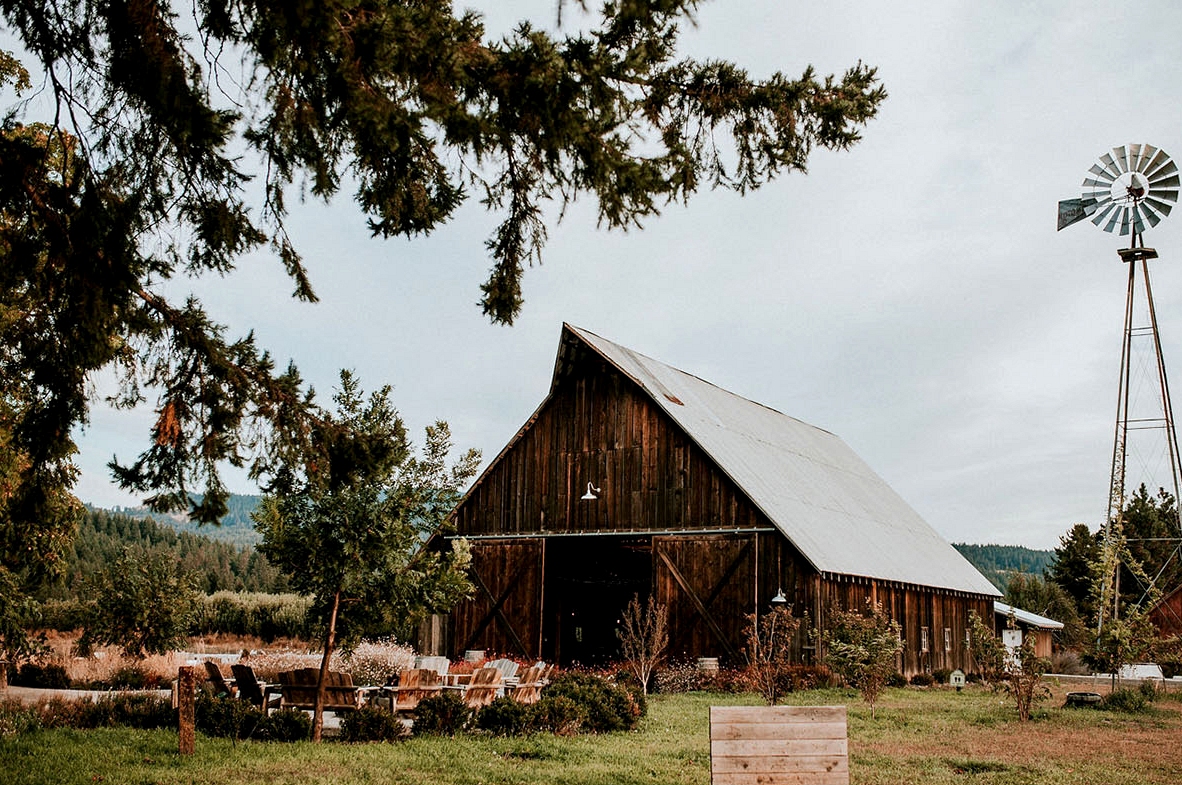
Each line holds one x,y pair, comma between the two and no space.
841,516
1026,617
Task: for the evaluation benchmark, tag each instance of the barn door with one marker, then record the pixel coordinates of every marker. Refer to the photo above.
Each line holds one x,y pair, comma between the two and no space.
707,583
505,612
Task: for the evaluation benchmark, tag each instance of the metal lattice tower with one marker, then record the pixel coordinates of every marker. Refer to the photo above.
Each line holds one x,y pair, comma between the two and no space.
1131,187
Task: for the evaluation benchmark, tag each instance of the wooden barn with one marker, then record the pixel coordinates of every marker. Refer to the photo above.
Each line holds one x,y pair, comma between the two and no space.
635,478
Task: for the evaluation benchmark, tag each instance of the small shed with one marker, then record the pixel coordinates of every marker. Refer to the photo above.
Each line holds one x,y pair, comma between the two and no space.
1023,624
633,478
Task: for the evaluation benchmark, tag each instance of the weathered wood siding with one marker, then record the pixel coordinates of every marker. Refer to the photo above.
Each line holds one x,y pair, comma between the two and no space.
505,614
943,614
598,427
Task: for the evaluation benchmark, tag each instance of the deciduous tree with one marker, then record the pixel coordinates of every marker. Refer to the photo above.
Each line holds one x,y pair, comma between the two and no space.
644,637
769,651
142,603
862,647
354,531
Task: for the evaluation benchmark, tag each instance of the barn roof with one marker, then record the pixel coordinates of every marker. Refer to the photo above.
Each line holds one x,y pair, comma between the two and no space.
841,516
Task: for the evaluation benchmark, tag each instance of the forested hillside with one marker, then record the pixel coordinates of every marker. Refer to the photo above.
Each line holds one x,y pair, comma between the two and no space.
236,528
215,566
998,562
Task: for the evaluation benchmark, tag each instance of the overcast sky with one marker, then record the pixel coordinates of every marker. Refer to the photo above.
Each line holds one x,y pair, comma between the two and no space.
911,295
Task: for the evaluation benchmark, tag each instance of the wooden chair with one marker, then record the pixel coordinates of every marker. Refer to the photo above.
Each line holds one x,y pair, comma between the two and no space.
221,687
776,745
413,685
438,664
483,688
265,696
529,687
508,668
298,690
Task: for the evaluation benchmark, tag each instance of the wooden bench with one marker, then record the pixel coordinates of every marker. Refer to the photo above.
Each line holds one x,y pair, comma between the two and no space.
778,745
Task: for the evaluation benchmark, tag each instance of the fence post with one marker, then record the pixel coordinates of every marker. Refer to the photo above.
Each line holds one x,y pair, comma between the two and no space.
186,686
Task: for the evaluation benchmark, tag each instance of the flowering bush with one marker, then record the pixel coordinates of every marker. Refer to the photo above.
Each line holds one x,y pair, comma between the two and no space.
374,663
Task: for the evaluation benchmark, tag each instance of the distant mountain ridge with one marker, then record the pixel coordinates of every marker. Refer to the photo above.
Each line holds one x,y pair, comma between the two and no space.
236,527
999,562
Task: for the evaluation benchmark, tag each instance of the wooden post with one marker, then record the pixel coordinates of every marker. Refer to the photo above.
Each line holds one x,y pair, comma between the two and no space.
187,709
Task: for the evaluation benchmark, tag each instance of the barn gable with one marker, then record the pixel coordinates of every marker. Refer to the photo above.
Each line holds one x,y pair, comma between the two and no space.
841,516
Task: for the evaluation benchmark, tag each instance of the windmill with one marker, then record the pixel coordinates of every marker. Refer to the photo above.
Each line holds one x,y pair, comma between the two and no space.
1133,186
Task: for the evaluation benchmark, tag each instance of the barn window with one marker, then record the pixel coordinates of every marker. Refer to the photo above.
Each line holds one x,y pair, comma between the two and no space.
947,639
924,644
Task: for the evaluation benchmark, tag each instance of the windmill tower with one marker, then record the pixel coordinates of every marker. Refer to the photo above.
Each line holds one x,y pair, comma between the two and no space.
1131,187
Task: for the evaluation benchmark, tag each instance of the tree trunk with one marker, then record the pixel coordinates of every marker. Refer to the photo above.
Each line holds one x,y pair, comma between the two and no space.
330,640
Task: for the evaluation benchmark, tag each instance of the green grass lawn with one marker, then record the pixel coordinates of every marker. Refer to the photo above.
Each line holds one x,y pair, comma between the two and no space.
918,736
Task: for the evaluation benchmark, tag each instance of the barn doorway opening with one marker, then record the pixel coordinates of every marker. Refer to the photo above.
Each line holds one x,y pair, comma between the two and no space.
589,582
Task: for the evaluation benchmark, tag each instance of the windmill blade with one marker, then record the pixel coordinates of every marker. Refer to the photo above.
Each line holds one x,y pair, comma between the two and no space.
1111,225
1099,219
1158,161
1110,165
1147,152
1122,158
1099,185
1160,206
1103,175
1124,221
1165,177
1151,216
1138,224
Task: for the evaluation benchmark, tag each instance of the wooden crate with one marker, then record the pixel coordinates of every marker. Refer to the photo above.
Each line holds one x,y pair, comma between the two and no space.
778,745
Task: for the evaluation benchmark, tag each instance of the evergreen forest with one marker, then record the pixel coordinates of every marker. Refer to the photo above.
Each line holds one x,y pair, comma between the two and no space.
213,565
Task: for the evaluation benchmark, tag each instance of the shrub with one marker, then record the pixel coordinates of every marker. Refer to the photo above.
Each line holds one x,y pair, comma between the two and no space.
47,677
861,647
922,680
132,677
1128,700
504,717
441,715
370,723
16,718
227,717
603,706
556,714
284,725
941,676
146,712
896,679
377,662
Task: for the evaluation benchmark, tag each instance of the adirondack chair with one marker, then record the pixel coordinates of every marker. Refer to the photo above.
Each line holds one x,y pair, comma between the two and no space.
529,686
483,688
264,696
221,688
298,689
508,668
415,684
777,745
438,664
